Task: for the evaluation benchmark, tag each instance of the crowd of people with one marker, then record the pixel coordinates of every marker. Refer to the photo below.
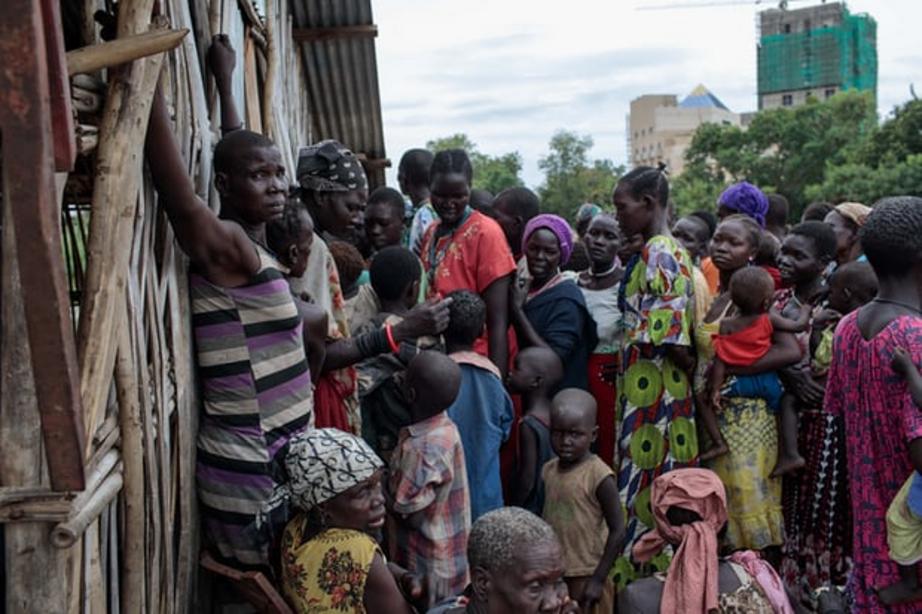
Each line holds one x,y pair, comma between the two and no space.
434,399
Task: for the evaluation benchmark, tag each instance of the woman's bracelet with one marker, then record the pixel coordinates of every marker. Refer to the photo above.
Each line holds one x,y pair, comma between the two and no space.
389,331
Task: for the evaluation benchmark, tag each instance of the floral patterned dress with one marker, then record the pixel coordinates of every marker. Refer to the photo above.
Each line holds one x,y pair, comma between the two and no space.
818,542
754,519
326,574
880,420
657,427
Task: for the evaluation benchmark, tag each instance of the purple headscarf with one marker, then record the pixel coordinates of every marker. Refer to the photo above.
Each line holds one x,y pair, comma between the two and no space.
558,226
747,199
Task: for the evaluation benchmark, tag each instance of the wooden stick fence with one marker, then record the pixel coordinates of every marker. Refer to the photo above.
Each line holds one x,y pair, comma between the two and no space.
129,541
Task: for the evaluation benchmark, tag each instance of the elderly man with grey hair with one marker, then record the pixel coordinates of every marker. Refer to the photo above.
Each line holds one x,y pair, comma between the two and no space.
516,566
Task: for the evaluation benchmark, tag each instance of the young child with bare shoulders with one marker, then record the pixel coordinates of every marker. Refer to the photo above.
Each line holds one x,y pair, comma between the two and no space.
741,342
581,502
536,371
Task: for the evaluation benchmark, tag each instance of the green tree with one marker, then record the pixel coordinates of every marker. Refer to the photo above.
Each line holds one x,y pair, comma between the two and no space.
898,138
782,150
864,183
571,178
692,193
491,173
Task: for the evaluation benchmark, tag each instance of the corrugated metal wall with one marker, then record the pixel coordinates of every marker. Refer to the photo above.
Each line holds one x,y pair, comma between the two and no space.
342,79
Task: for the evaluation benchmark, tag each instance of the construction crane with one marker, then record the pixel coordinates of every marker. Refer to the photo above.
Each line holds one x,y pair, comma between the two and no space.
782,4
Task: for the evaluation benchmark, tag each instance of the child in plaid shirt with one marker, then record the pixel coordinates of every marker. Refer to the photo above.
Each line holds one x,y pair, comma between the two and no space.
427,487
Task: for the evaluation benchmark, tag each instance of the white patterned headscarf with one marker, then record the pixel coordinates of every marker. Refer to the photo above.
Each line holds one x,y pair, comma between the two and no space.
321,464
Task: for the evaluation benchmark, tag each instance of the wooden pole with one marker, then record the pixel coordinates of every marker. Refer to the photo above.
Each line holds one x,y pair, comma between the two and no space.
122,50
115,199
272,68
132,586
67,533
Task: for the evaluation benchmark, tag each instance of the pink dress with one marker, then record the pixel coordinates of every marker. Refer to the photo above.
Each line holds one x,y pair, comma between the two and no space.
880,421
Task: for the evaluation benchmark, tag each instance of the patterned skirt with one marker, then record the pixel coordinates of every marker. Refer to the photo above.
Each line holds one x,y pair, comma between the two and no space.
753,497
817,551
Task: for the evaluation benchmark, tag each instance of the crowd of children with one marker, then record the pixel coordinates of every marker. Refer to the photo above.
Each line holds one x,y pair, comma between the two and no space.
382,377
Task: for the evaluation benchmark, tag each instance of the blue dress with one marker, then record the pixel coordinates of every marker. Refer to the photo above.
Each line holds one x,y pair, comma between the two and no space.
559,314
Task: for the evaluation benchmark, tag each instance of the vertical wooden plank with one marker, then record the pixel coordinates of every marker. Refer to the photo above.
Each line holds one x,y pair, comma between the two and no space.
251,86
115,197
132,573
32,563
28,184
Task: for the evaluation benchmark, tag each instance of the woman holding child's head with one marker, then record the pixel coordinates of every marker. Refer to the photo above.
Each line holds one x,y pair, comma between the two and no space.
882,425
331,560
657,431
466,250
689,510
516,566
747,424
818,554
550,311
599,285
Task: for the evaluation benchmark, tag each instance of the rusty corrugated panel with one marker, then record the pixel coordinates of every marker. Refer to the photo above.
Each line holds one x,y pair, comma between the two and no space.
338,47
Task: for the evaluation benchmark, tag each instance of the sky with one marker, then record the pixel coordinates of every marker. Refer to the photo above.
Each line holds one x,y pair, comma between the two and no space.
510,73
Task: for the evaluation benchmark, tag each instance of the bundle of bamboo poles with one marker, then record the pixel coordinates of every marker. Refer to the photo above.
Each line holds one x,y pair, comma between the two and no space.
130,541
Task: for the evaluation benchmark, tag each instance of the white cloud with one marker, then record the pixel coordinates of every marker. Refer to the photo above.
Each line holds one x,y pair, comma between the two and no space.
509,73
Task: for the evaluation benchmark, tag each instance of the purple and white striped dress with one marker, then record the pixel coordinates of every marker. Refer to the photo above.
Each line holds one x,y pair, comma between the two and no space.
257,394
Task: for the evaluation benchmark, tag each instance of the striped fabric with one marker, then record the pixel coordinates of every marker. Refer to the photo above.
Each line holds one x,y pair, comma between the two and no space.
257,394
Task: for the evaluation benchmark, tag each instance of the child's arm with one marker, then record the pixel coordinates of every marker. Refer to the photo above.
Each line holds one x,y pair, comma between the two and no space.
315,327
786,325
902,364
221,60
528,458
220,249
607,494
716,378
915,454
413,485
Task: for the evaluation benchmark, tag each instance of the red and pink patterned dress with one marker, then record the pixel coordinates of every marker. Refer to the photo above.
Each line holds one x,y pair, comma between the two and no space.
880,421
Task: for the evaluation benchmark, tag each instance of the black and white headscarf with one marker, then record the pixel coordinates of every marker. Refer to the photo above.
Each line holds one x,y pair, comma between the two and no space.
330,166
321,464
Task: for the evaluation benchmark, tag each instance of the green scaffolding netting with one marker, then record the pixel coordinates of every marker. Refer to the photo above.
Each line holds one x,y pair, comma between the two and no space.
844,56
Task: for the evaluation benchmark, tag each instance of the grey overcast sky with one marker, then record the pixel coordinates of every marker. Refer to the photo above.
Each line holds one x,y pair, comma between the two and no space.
509,73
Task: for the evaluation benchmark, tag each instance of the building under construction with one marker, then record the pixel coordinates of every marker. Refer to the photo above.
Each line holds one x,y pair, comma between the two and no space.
815,51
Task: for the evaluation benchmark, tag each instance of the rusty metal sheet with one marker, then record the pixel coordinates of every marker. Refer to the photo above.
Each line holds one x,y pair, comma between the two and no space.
28,182
62,117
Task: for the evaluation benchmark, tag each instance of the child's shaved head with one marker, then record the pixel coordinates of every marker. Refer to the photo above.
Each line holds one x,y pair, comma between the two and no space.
433,380
536,368
576,404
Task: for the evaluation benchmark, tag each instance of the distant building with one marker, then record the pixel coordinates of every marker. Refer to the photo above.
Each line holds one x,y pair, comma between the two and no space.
814,51
660,128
